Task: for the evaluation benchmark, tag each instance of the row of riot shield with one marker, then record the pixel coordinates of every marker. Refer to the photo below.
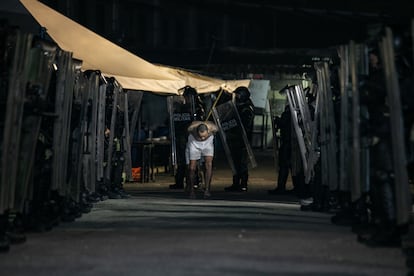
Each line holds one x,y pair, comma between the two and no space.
304,128
31,68
354,171
398,139
374,137
64,133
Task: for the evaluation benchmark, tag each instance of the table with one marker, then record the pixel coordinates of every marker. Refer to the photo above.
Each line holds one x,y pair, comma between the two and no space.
153,153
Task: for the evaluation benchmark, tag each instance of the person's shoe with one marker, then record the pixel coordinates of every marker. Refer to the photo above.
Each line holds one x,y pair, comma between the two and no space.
306,202
176,187
233,188
207,194
243,188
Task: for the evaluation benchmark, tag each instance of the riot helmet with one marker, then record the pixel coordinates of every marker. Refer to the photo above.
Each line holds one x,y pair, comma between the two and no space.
242,94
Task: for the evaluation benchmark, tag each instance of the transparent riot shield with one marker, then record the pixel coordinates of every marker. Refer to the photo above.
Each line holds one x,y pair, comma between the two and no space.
61,128
328,145
77,130
353,148
90,134
304,128
40,67
356,136
134,102
401,184
112,95
13,119
345,148
231,129
126,138
100,132
181,111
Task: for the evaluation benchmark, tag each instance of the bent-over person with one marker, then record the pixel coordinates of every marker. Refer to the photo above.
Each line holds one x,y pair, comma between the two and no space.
200,144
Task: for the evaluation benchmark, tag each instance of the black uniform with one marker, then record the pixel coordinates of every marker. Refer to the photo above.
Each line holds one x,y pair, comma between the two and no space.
240,157
183,116
284,123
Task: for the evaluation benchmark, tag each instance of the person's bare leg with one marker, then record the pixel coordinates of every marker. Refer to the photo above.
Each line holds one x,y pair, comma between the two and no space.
191,173
208,174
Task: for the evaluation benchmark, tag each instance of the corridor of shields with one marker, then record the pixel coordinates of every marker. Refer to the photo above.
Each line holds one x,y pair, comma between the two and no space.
53,166
352,143
66,137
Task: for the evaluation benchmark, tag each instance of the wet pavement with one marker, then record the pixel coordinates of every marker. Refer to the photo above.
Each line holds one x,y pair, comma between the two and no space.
162,232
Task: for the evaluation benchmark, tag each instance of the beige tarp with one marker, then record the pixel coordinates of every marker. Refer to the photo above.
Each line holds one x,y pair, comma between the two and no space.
98,53
205,84
131,71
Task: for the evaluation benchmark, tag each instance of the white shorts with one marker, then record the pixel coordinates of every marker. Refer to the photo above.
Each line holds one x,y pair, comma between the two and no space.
196,149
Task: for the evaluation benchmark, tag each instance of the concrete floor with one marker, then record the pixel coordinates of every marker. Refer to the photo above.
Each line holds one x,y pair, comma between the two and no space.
161,232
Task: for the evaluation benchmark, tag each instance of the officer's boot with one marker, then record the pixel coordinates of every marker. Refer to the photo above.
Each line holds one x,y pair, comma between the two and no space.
281,181
243,182
179,178
235,186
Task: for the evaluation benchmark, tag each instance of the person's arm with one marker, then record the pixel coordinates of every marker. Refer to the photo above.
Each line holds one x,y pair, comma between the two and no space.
192,127
211,127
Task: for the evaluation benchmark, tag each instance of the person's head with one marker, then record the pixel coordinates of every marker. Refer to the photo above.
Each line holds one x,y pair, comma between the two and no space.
189,91
202,131
242,94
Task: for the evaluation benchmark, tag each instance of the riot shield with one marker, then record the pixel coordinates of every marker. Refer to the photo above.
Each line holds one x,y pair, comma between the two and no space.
181,111
401,184
344,148
79,107
231,129
13,119
354,148
112,93
328,146
36,95
304,128
89,157
61,134
126,137
100,132
134,101
356,142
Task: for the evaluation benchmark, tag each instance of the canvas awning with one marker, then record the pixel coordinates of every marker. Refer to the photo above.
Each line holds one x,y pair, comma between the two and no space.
131,71
98,53
205,84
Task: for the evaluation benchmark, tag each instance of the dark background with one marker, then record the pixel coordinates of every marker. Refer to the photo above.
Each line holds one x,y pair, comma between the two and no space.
237,37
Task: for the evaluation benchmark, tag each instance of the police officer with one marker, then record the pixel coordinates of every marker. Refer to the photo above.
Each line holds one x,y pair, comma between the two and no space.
284,161
187,113
238,149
